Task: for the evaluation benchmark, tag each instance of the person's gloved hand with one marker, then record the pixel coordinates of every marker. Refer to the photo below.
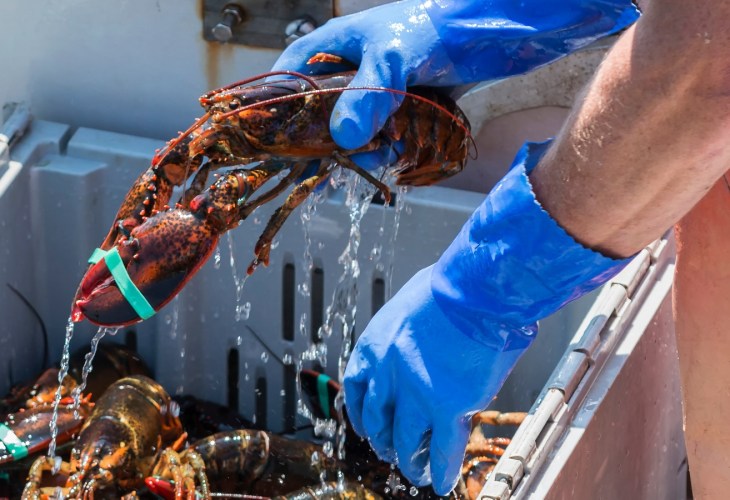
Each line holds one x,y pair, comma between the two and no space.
441,348
446,43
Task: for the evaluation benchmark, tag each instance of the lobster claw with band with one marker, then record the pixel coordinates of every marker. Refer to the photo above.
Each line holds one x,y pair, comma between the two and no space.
140,274
276,127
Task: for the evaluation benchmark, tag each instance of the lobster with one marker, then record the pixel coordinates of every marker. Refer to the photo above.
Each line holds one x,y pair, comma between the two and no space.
265,131
241,460
118,445
114,361
27,432
259,465
38,393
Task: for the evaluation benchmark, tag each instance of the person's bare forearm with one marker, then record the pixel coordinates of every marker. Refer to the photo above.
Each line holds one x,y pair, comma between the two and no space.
651,133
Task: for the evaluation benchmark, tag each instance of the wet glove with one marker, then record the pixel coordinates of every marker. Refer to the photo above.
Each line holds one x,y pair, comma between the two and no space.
439,350
446,43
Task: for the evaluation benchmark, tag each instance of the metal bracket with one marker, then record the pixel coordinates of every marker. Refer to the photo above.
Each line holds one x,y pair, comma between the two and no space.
263,23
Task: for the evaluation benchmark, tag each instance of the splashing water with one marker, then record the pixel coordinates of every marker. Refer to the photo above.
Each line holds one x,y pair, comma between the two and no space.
88,360
239,282
63,371
340,314
343,307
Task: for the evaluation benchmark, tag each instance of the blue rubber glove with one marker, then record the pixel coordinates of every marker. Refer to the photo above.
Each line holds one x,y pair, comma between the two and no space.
446,43
440,350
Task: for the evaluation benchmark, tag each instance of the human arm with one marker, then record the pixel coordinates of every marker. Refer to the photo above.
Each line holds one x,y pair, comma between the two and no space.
649,136
620,174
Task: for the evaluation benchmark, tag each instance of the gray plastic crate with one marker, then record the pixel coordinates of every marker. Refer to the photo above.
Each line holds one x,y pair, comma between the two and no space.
60,189
65,190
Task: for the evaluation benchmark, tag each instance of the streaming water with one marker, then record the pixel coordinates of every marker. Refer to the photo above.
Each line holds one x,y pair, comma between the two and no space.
306,215
63,371
88,360
173,321
400,203
340,314
242,310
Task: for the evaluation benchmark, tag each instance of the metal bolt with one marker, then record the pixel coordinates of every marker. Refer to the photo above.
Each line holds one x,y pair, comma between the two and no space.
232,16
298,28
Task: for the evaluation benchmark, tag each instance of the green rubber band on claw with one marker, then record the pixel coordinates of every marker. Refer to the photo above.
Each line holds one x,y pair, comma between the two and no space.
323,394
12,443
126,286
96,256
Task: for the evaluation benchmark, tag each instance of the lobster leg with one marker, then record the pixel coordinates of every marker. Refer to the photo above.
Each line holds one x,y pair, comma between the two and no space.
347,163
295,198
293,174
497,418
33,485
184,468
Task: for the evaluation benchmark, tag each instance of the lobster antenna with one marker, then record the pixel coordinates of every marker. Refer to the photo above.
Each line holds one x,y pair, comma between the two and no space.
296,74
37,315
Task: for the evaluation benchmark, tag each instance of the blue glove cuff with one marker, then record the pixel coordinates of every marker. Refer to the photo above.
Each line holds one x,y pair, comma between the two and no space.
488,39
512,263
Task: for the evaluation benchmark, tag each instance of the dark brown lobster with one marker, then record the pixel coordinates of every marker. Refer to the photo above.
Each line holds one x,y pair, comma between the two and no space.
259,131
118,445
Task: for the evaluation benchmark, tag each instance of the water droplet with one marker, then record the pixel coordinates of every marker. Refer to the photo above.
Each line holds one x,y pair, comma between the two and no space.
303,325
376,252
168,319
239,340
264,356
413,491
243,311
217,258
287,359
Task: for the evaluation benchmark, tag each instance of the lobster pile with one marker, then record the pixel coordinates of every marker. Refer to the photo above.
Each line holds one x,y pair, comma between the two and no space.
131,445
271,131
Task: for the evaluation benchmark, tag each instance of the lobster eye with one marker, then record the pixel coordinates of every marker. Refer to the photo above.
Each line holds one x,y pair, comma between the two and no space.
233,105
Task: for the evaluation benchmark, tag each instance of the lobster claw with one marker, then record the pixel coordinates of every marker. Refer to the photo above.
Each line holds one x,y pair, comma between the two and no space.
139,275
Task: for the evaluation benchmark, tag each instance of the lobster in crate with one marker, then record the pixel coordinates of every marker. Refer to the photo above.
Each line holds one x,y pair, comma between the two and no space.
118,445
272,130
